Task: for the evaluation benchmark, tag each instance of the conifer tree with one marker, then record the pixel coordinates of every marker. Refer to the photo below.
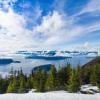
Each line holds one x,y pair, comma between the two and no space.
12,87
22,86
74,84
30,82
79,72
1,84
68,71
40,80
43,81
37,78
93,78
22,83
98,75
52,79
62,77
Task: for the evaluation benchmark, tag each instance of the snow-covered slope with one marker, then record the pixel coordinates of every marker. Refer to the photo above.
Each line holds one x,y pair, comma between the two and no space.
57,95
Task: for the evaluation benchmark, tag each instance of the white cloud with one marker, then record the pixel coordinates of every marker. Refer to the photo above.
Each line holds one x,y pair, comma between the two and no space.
93,7
13,34
56,29
7,3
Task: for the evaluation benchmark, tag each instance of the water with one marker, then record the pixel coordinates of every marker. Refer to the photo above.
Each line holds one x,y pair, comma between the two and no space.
28,64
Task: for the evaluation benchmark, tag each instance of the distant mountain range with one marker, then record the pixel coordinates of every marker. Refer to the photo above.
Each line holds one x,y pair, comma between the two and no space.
43,54
6,61
46,55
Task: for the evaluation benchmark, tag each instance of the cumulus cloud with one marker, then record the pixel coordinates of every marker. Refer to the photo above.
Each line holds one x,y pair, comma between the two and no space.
13,34
55,30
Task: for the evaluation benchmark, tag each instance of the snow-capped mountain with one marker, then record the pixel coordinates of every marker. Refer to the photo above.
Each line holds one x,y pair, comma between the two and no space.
59,53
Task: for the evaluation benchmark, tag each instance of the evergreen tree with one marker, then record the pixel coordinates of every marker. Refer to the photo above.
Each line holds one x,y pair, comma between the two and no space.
98,75
22,86
52,79
74,84
43,81
40,80
85,74
37,78
62,77
68,72
22,82
93,78
1,83
79,72
12,87
30,82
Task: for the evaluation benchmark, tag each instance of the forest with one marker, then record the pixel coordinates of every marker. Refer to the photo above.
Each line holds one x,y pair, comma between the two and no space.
66,78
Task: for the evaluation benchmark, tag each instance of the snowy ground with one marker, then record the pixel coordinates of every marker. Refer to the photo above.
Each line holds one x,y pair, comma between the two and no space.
57,95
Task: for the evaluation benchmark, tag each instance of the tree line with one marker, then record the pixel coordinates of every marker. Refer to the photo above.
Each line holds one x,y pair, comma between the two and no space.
66,78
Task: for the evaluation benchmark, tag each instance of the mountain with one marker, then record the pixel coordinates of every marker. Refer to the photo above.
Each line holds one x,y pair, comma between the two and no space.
47,57
95,61
32,54
46,68
5,61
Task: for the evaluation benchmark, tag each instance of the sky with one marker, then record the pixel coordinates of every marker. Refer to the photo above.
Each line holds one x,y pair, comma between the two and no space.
49,25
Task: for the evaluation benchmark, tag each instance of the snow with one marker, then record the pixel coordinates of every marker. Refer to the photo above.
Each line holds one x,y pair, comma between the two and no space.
32,90
88,88
58,53
92,55
57,95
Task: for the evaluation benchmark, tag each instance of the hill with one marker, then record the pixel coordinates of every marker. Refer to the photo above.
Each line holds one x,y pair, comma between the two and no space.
46,67
95,61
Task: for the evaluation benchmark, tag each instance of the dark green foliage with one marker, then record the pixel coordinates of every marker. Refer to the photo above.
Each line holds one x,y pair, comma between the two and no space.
79,74
93,78
52,79
91,72
98,75
69,70
12,87
3,85
86,72
22,82
22,85
74,84
63,76
42,81
30,83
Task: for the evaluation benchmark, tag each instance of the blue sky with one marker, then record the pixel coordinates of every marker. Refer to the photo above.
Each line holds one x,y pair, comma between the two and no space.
49,25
